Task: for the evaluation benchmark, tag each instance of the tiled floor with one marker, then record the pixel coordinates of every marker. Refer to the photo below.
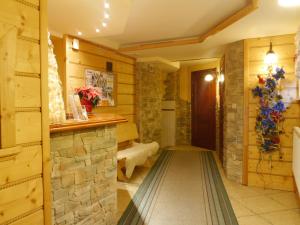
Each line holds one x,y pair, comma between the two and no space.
252,206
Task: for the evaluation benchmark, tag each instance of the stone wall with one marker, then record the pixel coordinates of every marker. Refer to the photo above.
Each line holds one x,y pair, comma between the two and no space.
234,111
149,93
84,177
170,85
183,117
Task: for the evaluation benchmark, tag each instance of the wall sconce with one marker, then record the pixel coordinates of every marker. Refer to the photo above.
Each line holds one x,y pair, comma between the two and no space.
208,77
221,78
271,58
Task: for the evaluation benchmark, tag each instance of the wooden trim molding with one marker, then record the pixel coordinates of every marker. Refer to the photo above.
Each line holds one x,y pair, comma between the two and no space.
97,120
45,112
249,8
246,114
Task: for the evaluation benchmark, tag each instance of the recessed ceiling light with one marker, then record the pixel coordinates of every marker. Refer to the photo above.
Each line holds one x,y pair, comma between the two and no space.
97,30
106,5
79,33
104,24
106,15
289,3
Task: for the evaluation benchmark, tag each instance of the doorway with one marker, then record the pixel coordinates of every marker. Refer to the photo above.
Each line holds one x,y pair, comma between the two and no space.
204,110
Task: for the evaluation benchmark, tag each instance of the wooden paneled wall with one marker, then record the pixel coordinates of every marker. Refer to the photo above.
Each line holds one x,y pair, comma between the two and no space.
92,56
24,143
278,173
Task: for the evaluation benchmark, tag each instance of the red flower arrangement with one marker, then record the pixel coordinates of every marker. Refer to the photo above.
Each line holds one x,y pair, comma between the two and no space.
89,97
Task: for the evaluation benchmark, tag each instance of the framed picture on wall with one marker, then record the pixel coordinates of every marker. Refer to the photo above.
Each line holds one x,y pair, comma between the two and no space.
105,83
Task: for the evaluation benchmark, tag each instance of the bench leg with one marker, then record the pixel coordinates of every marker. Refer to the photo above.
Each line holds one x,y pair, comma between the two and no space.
121,170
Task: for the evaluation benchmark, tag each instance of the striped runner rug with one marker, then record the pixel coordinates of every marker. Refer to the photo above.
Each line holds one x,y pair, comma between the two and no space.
182,188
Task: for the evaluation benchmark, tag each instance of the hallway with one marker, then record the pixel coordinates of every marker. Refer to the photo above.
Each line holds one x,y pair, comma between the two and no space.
185,183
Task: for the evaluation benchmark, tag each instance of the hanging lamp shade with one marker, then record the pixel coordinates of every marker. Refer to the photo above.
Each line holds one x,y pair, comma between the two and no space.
271,57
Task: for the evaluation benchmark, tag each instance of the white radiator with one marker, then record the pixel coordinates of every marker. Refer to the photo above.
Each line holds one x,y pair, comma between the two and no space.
168,124
296,156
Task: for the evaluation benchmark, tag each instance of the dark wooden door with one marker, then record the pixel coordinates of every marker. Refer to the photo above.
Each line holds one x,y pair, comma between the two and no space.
203,110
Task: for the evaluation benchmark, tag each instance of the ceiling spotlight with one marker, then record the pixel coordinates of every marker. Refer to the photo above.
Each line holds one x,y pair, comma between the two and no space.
106,5
289,3
79,33
208,77
106,15
104,24
97,30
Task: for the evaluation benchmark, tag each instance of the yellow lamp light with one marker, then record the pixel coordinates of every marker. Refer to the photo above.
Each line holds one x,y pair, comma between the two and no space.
208,77
221,78
289,3
271,58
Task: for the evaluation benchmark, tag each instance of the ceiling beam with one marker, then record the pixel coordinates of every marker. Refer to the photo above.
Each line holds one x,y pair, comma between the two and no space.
249,8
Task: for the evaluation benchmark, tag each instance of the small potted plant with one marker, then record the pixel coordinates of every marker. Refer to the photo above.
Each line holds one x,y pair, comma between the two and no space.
89,97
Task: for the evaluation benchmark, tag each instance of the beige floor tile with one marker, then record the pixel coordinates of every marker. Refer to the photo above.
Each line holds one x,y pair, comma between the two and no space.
252,205
261,204
253,220
288,199
239,209
289,217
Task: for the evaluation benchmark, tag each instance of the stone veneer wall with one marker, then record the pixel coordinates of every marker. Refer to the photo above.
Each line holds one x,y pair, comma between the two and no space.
234,111
170,83
183,117
149,92
84,177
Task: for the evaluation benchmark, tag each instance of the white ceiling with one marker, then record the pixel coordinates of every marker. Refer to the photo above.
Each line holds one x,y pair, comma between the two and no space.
71,16
155,20
136,21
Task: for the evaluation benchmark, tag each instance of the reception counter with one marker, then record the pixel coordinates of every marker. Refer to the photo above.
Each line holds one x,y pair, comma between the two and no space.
84,173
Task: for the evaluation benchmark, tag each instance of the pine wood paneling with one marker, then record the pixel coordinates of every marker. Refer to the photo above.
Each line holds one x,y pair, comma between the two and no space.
273,167
36,218
28,127
28,91
93,56
33,2
126,78
124,68
28,57
25,164
286,139
126,89
278,174
7,87
20,199
256,67
21,15
25,170
283,51
125,109
130,118
124,99
271,181
102,51
285,155
86,59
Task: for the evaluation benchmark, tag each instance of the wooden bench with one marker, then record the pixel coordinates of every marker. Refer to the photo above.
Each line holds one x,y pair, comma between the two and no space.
130,153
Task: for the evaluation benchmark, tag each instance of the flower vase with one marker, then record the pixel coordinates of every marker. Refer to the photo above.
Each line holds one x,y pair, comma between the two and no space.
88,105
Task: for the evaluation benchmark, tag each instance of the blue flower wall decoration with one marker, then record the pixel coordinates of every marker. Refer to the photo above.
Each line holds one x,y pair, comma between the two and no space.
270,114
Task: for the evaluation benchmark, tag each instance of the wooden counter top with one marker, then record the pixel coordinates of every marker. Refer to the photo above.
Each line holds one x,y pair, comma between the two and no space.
95,120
